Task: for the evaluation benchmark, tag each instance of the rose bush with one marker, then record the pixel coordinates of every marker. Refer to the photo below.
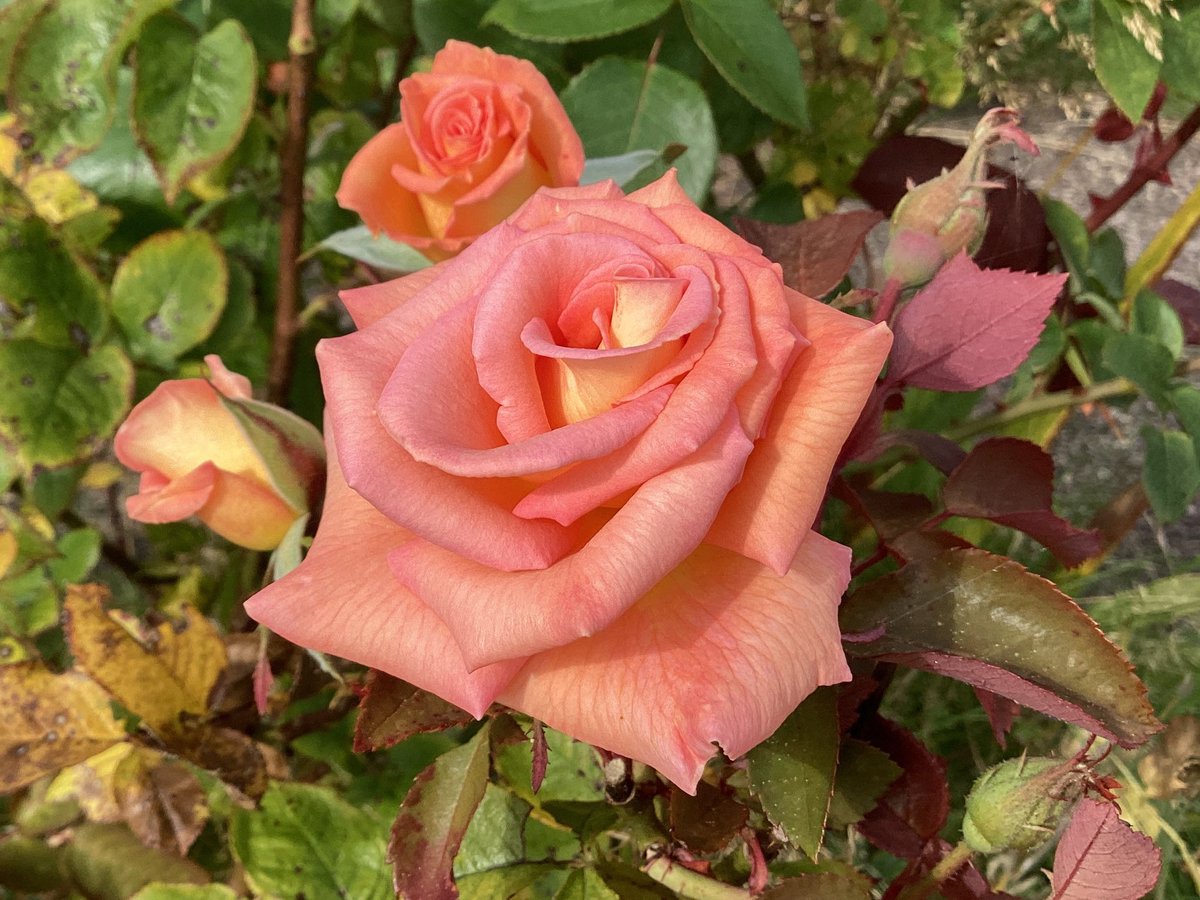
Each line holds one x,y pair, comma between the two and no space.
206,448
575,470
478,134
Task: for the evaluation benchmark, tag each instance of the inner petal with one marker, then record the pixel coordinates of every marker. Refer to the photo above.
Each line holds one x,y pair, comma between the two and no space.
641,307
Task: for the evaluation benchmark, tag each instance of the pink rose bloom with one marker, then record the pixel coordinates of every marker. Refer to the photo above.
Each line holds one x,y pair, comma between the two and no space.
575,470
478,134
206,448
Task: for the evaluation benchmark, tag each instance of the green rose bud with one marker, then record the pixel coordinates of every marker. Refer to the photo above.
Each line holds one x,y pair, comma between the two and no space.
1017,804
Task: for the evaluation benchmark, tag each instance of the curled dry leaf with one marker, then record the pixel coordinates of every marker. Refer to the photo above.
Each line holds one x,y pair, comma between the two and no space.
158,674
51,721
392,710
1172,767
1099,857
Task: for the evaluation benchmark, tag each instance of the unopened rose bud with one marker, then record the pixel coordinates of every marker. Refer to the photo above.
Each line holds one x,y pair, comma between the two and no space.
936,220
245,468
1017,804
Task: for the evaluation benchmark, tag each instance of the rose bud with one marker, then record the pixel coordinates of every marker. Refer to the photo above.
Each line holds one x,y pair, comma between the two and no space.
244,468
575,470
937,219
1017,804
478,134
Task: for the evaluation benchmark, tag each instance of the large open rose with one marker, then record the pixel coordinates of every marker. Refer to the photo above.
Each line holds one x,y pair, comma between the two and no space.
575,470
478,134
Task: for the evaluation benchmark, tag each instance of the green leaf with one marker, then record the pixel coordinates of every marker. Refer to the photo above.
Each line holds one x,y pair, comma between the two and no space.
1171,473
435,816
80,549
863,773
379,251
573,20
168,293
792,771
1124,65
586,884
158,891
1156,319
62,84
619,105
985,620
60,405
306,839
572,770
192,98
1144,361
494,837
620,169
1185,403
436,21
1071,235
1181,49
109,862
14,19
55,295
509,881
747,43
819,886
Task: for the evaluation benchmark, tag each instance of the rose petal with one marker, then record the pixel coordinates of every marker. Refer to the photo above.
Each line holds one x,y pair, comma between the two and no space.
231,384
247,512
369,189
367,305
370,618
497,615
159,501
468,516
815,409
720,651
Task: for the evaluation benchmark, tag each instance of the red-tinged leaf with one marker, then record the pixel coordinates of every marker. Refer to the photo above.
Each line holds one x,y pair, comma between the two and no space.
262,681
1001,713
970,327
1011,482
1113,126
541,757
925,544
914,808
891,512
986,620
1185,300
940,452
392,710
707,822
967,883
1099,857
815,254
434,817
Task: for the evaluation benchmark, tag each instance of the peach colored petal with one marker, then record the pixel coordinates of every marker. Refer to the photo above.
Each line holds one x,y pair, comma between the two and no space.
231,384
371,303
370,618
721,651
469,516
369,189
247,512
498,615
160,500
160,433
434,408
551,132
784,484
665,191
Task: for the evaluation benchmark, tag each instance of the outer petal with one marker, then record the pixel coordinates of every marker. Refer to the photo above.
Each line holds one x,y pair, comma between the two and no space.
369,189
247,512
367,305
171,501
370,618
498,615
722,650
819,402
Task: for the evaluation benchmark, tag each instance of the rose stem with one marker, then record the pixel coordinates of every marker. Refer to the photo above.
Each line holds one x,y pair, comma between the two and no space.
1143,173
689,884
301,50
404,54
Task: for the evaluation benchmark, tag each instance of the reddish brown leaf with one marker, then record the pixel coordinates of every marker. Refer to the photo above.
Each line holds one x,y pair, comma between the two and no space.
986,620
970,327
1011,482
1099,857
913,546
914,808
1001,713
815,254
541,756
820,886
707,822
941,452
891,512
392,710
434,817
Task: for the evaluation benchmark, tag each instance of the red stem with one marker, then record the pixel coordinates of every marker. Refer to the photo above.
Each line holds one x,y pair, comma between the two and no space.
1143,173
301,49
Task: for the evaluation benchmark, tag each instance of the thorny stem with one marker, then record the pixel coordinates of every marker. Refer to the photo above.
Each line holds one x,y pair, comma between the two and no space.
691,885
302,55
1143,173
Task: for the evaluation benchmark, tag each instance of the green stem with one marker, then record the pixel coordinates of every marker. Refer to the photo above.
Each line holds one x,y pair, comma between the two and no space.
1040,404
950,863
691,885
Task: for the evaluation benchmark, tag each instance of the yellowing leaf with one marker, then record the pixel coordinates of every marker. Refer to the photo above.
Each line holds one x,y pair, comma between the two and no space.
101,474
8,551
1164,246
90,783
51,721
156,673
